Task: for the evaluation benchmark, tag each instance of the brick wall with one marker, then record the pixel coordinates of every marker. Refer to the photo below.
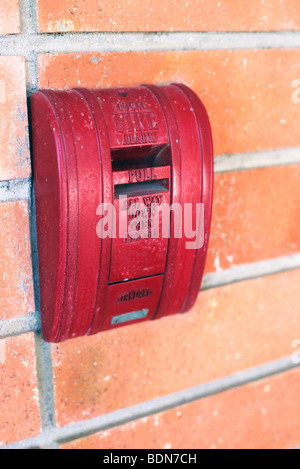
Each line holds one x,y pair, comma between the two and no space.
224,375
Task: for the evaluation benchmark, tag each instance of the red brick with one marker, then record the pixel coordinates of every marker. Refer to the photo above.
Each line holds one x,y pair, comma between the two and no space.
242,200
9,17
264,415
230,329
155,15
16,288
249,104
19,403
14,151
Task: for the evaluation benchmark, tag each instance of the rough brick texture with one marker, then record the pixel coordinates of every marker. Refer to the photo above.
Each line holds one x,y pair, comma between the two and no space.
242,200
248,94
9,17
16,288
14,150
19,404
252,417
230,329
164,15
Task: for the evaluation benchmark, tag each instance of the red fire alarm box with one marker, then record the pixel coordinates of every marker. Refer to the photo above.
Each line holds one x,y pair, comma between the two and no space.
123,185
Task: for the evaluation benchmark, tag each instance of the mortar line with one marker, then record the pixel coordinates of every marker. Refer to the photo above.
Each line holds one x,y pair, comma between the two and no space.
81,42
43,355
20,325
28,16
158,405
251,271
32,73
257,160
15,190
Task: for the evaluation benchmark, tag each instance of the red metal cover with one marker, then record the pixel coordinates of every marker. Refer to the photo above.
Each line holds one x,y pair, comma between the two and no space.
124,187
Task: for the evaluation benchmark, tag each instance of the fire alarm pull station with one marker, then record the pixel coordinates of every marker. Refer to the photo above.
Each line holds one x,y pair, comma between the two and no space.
123,185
